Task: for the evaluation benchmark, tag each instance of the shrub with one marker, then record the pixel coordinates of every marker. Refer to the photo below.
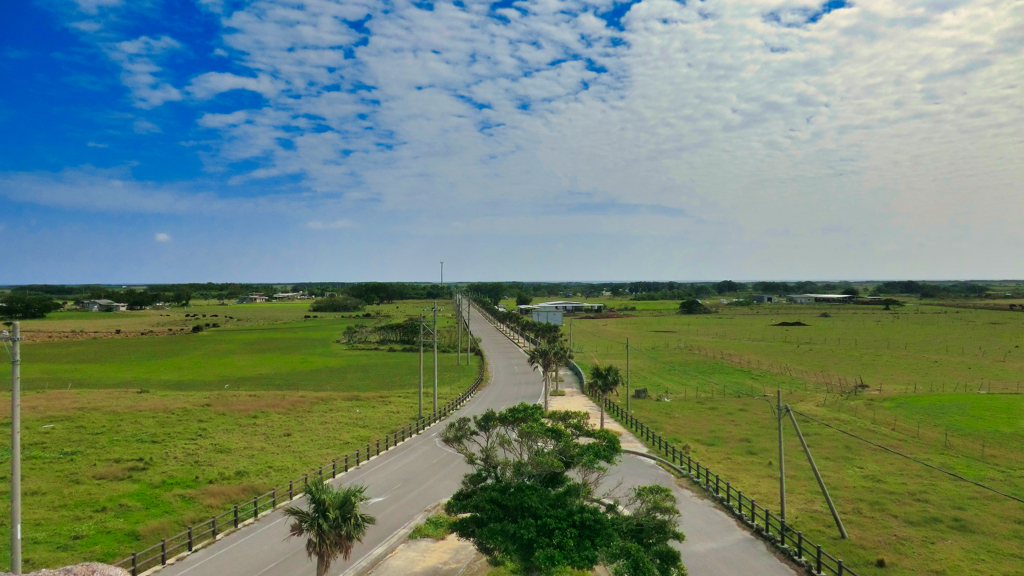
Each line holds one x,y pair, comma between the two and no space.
197,328
437,527
693,306
338,304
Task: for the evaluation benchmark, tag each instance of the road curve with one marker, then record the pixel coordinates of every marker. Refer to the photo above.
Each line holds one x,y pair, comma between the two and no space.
420,472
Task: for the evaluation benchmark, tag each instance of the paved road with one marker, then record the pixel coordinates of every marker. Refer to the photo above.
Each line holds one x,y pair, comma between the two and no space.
403,482
408,479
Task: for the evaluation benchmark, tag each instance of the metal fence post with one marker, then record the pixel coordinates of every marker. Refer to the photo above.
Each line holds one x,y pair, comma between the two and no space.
818,563
213,522
255,507
305,481
135,564
717,480
236,516
346,462
189,538
163,551
334,468
273,497
321,473
378,447
799,544
840,572
753,511
291,489
728,496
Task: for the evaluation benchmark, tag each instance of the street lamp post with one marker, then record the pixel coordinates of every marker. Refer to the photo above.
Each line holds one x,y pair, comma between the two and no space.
15,339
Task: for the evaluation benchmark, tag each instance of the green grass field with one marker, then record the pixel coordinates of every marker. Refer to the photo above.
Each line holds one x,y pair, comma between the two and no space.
714,368
127,440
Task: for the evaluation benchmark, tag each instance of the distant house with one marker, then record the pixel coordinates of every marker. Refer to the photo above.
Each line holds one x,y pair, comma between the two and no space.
103,305
818,298
763,298
254,298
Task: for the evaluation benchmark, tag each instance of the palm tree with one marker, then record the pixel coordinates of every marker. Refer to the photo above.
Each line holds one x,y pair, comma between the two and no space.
332,522
563,355
543,358
605,380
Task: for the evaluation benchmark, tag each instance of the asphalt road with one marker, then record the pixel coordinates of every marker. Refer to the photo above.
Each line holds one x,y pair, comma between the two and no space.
402,482
420,472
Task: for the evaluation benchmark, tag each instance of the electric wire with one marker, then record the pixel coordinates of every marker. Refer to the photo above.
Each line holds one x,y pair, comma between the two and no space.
908,457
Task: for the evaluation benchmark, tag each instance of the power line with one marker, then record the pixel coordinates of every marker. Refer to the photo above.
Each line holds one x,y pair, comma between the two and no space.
908,457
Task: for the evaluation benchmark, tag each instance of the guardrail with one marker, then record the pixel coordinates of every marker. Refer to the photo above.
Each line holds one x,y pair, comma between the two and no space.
773,529
205,533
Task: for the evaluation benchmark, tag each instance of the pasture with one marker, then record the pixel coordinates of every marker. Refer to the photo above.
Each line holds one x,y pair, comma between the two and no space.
129,439
718,369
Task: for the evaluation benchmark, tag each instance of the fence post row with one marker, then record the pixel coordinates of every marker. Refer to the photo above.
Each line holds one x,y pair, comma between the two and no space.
675,455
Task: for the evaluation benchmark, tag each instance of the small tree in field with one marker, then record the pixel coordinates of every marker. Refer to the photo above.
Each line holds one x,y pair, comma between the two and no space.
605,380
332,522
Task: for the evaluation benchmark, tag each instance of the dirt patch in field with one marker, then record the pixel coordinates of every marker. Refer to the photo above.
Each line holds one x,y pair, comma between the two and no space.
71,335
787,324
604,315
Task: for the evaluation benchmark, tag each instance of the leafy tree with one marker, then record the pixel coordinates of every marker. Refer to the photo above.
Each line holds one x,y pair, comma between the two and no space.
18,306
727,286
605,380
337,304
523,299
531,499
693,306
851,291
332,522
182,296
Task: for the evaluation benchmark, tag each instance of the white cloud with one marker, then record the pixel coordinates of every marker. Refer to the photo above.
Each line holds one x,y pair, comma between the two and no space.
162,237
320,225
213,83
97,145
139,73
141,126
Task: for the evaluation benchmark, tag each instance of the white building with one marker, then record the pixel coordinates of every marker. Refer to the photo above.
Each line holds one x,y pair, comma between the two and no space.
561,306
818,298
547,316
255,298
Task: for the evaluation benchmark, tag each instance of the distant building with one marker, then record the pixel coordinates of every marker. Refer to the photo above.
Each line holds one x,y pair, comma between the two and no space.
255,298
290,296
818,298
561,306
764,298
547,316
103,305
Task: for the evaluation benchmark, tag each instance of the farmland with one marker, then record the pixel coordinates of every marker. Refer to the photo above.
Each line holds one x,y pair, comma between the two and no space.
939,384
128,439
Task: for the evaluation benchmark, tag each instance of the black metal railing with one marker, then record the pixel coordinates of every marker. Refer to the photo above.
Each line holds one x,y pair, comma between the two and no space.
206,532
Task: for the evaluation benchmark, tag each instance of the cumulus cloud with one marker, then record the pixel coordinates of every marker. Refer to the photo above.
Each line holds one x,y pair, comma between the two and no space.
142,126
162,237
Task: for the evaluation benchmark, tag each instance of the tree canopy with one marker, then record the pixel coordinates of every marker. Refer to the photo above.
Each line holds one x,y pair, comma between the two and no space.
531,500
17,306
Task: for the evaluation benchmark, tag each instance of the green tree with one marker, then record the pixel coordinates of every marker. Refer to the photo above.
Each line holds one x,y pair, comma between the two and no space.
342,304
851,291
605,380
543,358
15,306
523,299
531,499
332,522
693,306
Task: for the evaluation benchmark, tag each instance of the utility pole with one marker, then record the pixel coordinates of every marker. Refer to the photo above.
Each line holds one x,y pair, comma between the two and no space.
435,357
570,335
458,322
421,364
627,374
817,476
469,335
782,458
442,273
15,339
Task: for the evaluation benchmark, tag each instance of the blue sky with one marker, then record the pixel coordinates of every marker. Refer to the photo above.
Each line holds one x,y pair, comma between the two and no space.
211,140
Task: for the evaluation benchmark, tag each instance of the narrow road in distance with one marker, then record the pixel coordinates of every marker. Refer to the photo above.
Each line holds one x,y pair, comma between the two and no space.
401,482
421,472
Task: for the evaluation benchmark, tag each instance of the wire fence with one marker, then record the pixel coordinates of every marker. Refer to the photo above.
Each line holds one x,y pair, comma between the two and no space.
205,533
773,529
776,531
